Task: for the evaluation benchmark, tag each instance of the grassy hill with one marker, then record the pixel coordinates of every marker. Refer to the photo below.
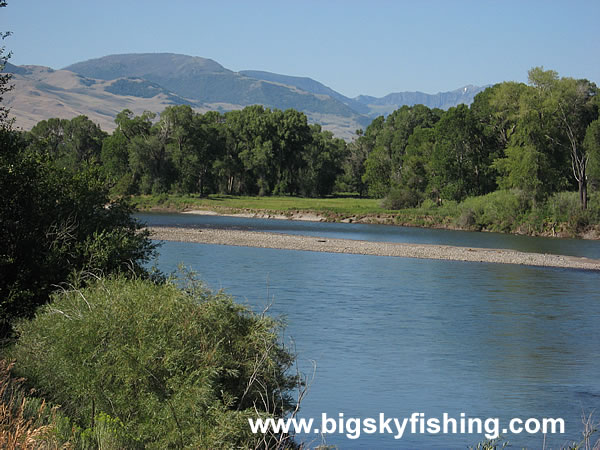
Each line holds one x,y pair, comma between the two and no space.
100,88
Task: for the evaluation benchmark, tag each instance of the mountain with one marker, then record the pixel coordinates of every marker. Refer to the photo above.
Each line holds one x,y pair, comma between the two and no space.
41,92
443,100
206,82
102,87
308,85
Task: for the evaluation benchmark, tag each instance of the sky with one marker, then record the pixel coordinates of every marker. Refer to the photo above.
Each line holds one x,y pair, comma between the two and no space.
355,47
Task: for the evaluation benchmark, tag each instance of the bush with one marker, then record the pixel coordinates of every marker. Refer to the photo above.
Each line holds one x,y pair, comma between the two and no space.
501,210
176,367
400,198
562,206
565,207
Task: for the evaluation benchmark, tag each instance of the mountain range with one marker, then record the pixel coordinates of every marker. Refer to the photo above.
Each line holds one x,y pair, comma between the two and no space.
102,87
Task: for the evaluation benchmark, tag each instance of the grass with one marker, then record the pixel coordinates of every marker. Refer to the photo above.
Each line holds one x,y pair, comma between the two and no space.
24,422
501,211
347,205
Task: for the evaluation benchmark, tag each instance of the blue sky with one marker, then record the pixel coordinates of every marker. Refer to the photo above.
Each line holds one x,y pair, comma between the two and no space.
354,47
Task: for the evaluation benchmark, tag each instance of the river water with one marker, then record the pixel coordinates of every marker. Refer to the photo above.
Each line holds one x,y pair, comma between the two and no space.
400,335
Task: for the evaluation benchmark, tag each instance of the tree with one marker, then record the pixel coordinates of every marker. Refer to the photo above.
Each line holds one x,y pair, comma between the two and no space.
323,163
70,143
115,161
460,160
354,166
592,149
570,105
293,137
497,111
384,165
417,172
576,111
54,222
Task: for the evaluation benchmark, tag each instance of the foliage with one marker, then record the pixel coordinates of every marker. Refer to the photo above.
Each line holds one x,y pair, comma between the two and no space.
400,198
24,422
173,367
501,210
387,141
54,222
71,143
252,151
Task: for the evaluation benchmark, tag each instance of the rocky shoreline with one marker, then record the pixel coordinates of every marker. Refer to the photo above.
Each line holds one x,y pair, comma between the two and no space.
404,250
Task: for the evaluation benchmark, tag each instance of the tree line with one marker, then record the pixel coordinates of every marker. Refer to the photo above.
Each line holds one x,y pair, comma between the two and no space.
255,151
540,138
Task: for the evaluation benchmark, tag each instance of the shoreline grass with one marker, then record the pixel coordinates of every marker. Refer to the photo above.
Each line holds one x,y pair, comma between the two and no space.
500,211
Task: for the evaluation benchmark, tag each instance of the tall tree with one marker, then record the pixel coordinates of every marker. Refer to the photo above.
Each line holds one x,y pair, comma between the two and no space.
460,160
565,108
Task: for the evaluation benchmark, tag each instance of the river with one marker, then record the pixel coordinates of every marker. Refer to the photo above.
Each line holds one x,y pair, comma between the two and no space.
398,335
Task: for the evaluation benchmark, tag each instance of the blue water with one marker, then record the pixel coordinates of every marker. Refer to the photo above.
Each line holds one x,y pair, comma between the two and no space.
397,336
386,233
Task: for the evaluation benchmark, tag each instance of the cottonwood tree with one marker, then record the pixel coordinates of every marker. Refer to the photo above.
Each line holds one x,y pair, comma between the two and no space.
570,103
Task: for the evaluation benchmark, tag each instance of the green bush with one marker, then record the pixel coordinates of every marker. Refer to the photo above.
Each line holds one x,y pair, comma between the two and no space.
176,367
501,210
563,206
401,198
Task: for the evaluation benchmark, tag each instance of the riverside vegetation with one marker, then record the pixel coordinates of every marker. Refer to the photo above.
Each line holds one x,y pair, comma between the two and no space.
521,158
96,350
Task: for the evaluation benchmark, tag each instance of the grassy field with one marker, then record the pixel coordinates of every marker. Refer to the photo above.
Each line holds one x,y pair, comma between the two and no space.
344,206
333,209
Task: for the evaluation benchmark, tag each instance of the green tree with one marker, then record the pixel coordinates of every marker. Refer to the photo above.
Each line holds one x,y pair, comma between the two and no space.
576,110
417,171
384,164
553,116
115,161
592,149
54,222
293,137
460,160
70,143
323,163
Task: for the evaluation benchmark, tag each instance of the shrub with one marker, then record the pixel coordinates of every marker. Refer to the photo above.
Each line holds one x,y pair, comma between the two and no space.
501,210
400,198
177,367
562,206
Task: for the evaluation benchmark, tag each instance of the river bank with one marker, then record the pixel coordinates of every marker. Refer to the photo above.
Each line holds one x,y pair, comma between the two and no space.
592,233
316,244
493,212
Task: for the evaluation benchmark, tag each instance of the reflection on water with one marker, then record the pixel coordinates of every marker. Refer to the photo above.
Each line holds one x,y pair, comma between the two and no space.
398,336
386,233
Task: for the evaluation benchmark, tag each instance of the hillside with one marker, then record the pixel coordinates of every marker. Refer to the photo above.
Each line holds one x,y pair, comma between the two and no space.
40,93
206,81
102,87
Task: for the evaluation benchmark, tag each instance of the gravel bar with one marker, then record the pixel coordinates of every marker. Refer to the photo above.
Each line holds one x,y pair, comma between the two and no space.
404,250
